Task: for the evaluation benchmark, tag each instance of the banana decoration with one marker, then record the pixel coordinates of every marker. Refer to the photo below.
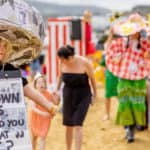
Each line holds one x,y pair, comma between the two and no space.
21,25
114,16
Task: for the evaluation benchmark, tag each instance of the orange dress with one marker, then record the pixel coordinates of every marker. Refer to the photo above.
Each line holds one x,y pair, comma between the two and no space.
40,124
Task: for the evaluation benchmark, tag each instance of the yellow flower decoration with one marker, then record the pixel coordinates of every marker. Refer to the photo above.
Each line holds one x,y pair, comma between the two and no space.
127,28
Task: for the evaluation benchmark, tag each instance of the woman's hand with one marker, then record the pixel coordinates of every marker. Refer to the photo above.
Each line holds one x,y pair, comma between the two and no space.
93,100
56,97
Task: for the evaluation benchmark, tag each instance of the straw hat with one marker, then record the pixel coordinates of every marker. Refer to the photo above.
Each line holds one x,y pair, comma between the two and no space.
8,49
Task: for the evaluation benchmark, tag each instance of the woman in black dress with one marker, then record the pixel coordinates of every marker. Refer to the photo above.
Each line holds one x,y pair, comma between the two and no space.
78,93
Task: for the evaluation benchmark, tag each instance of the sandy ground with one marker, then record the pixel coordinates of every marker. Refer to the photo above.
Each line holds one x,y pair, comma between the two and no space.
98,134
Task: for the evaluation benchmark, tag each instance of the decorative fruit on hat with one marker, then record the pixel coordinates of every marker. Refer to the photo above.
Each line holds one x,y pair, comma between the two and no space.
115,16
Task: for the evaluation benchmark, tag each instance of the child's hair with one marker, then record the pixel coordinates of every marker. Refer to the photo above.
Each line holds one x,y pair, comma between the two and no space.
37,76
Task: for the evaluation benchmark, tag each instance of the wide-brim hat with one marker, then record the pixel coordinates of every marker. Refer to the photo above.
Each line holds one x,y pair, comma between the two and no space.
147,30
135,23
8,51
7,41
128,28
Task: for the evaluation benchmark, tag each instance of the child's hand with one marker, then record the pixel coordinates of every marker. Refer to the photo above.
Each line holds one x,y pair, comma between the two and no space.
53,110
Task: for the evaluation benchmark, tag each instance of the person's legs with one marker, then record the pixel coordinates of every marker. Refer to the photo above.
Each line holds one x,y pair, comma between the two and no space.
42,143
78,137
130,133
107,108
34,141
69,137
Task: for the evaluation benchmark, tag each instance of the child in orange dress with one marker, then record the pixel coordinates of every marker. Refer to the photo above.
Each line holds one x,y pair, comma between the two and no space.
40,118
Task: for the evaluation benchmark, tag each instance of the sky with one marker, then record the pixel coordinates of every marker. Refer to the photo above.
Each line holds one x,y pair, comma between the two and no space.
111,4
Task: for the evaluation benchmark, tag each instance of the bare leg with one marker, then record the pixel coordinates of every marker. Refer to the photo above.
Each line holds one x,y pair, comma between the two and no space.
78,137
69,137
42,144
107,107
34,141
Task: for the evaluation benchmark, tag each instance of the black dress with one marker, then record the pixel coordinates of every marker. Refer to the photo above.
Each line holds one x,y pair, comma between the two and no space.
76,98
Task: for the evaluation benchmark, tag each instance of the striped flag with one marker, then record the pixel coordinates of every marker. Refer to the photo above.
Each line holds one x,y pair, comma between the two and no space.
59,35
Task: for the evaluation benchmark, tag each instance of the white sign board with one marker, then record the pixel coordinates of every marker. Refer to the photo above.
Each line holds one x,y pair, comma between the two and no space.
14,134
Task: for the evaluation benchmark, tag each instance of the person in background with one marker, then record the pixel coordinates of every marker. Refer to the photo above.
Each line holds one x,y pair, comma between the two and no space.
79,92
89,45
111,80
147,59
126,60
40,119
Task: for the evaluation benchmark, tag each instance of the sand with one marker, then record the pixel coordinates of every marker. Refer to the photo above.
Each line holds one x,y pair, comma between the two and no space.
98,134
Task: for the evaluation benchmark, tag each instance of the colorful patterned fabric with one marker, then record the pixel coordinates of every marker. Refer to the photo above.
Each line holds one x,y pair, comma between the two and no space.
131,64
131,109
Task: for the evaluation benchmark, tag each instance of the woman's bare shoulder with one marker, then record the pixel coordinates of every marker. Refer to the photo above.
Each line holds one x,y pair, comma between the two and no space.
82,59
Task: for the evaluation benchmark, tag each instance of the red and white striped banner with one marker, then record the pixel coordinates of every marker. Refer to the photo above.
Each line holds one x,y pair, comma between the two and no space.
59,35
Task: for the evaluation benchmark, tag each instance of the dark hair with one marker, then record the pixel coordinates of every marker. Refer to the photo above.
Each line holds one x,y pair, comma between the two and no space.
138,45
66,51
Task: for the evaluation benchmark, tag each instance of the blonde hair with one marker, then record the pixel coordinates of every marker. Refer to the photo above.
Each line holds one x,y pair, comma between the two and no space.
38,77
87,15
8,49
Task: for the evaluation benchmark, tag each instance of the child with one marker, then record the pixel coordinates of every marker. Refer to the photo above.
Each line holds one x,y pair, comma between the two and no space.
40,118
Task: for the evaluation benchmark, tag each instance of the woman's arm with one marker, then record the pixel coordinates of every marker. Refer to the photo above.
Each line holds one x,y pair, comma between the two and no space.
38,98
90,73
45,114
56,94
59,77
33,107
59,82
109,39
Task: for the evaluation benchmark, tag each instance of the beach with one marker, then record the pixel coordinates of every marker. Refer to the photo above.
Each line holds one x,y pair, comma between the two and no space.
98,134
